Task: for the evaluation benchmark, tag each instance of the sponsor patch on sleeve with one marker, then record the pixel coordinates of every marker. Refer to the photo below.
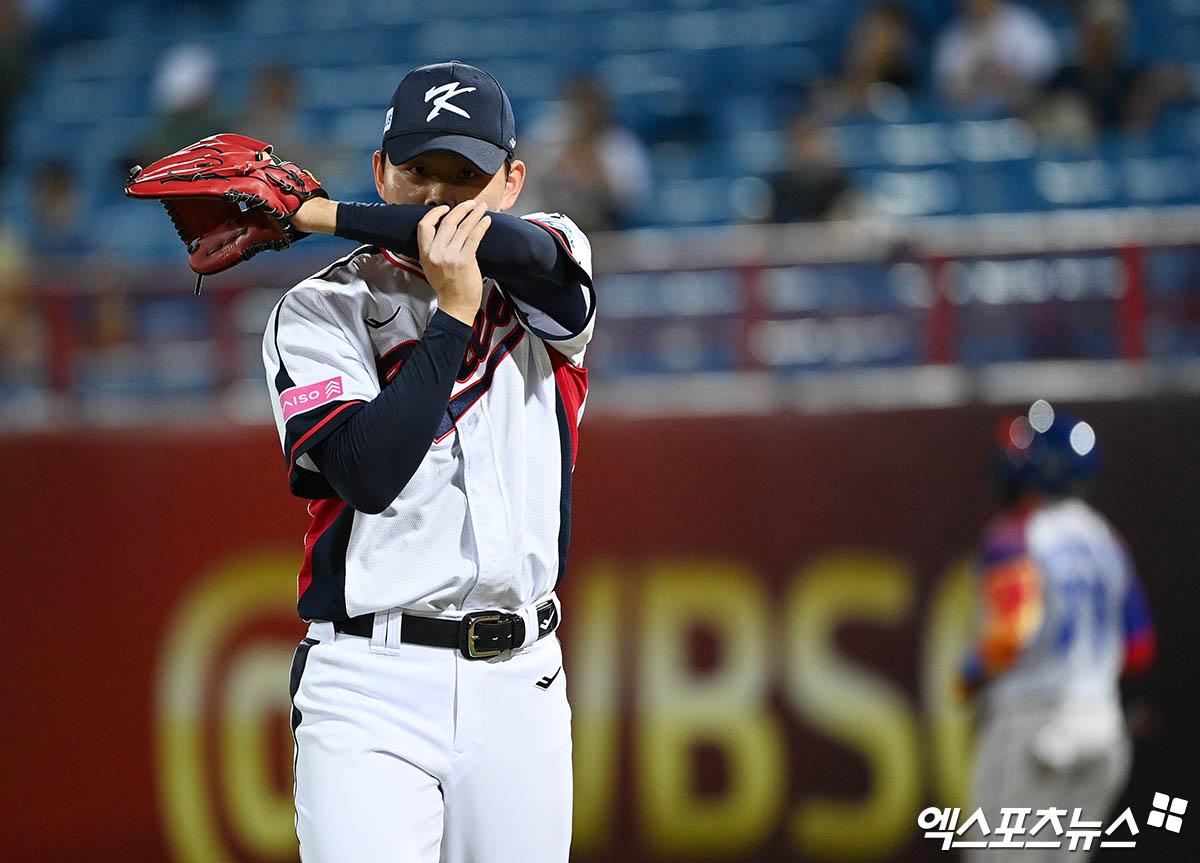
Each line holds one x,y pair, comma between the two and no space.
299,399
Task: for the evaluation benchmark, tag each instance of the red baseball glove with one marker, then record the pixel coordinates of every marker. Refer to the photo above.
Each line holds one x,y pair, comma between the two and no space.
229,197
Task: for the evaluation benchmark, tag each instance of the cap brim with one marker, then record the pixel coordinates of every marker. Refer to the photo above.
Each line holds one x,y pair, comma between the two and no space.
484,156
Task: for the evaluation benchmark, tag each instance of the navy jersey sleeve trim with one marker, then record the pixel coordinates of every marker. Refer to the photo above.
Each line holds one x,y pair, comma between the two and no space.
567,461
307,430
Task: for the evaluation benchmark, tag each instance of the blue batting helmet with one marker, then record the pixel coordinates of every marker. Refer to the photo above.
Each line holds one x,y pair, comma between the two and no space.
1046,451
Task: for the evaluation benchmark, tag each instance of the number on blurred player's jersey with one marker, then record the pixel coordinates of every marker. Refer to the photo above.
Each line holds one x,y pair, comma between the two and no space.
1082,597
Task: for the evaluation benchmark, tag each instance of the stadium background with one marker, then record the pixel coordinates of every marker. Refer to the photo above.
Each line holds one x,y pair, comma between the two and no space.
783,468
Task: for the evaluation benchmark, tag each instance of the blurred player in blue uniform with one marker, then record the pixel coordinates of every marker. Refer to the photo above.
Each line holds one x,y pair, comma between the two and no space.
1063,617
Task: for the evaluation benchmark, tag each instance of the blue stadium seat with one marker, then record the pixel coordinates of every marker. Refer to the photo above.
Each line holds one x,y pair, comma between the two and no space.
915,144
675,160
1081,183
934,191
135,228
757,152
1001,140
694,201
857,145
1002,187
746,112
1179,128
1164,180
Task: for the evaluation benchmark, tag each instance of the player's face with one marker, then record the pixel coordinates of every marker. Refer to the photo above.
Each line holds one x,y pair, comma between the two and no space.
441,177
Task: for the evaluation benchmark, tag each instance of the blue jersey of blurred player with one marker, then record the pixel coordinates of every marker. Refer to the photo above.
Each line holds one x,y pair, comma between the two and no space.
1063,616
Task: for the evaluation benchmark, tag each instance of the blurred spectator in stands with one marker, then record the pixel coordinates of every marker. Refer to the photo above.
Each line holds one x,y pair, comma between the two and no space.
272,114
585,163
56,227
16,55
21,330
813,187
185,93
1102,89
879,65
994,56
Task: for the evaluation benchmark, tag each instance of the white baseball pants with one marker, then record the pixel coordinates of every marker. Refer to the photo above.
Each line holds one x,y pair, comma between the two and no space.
413,754
1077,756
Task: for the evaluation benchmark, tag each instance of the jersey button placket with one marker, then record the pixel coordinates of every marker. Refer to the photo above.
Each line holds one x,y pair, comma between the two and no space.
488,516
498,539
475,470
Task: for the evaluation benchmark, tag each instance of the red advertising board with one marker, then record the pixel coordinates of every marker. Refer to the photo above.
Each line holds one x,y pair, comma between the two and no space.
762,616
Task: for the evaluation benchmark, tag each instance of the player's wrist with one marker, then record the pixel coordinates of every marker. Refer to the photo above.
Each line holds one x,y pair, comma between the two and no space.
444,322
462,312
316,216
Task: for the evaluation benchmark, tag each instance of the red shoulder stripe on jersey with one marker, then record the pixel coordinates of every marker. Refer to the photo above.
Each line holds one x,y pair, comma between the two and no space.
404,265
324,513
314,429
469,396
572,386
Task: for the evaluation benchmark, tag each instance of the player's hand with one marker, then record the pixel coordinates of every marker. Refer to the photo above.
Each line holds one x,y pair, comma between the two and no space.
448,256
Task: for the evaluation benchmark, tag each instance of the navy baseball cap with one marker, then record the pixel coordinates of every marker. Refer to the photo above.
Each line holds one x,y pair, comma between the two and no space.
450,106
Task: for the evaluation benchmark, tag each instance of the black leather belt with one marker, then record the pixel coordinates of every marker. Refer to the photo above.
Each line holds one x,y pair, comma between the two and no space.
478,635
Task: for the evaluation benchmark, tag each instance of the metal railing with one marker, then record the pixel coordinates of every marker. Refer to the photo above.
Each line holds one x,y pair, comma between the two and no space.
110,341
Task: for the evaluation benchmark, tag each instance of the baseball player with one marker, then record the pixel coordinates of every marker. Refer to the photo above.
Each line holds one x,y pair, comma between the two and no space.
1064,615
427,390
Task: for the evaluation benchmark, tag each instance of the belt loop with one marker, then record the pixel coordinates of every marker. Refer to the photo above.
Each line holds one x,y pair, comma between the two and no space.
395,622
385,635
529,616
321,630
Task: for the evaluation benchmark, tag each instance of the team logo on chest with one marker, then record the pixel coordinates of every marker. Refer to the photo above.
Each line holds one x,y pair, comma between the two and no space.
495,315
496,322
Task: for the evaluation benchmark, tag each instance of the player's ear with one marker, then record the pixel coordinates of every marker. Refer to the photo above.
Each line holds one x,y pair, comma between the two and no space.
513,184
379,163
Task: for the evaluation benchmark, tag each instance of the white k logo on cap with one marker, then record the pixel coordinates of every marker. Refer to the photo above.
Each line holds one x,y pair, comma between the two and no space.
448,91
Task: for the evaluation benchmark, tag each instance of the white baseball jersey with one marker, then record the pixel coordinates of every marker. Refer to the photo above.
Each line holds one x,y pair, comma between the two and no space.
485,520
1086,577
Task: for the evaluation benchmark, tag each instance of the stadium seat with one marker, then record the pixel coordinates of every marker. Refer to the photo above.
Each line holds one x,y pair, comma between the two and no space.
1167,180
915,144
1084,183
913,193
992,140
1001,187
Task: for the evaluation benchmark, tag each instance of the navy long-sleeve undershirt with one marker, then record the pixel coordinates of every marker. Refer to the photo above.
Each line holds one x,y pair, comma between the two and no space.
527,261
371,457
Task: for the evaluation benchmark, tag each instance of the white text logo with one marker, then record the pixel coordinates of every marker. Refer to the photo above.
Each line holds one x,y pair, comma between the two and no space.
448,91
299,399
1078,835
